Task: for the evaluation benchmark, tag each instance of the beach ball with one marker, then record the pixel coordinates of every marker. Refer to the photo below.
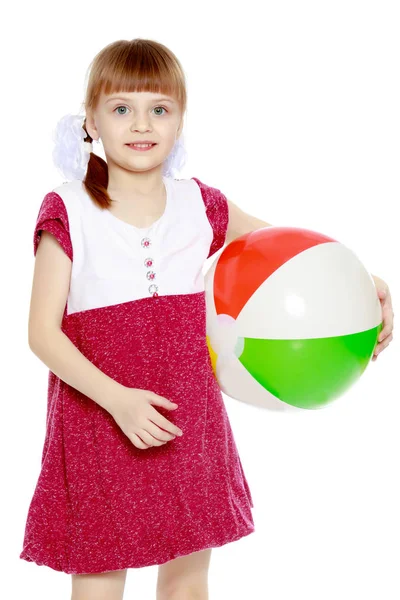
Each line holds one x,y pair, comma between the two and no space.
293,318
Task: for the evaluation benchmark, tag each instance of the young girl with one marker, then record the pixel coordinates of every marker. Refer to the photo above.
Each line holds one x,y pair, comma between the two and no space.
139,464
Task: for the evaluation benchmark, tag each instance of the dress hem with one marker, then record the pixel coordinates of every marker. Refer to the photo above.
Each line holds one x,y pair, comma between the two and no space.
55,564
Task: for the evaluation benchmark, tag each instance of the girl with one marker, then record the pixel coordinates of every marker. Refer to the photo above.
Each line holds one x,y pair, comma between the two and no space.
139,464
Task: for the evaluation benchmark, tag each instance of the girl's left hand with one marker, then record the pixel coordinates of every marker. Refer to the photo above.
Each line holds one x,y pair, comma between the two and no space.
386,335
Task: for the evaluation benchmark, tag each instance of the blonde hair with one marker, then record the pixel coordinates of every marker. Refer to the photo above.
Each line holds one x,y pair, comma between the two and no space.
138,65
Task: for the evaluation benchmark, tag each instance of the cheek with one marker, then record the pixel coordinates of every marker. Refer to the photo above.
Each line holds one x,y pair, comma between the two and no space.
115,138
166,135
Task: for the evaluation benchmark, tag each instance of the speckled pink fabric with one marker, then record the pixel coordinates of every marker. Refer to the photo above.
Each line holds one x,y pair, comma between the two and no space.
100,503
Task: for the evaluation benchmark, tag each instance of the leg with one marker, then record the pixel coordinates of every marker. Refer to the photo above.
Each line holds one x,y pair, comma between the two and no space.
99,586
185,577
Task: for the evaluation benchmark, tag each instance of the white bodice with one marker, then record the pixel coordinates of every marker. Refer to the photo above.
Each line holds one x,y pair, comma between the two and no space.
109,255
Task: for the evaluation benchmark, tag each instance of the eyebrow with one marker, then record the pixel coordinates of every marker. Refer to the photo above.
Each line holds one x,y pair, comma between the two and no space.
125,98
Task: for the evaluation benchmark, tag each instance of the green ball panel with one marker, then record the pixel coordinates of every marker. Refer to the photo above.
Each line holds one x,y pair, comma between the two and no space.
309,373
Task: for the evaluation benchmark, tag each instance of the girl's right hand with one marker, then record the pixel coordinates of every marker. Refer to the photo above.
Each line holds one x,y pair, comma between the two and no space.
132,410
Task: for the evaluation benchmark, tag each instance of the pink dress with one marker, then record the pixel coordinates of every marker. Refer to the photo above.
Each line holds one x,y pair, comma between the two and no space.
136,309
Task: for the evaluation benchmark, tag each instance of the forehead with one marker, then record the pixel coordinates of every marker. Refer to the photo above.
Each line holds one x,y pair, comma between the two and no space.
137,97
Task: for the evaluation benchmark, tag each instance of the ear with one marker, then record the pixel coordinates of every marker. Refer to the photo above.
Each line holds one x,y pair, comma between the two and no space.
91,126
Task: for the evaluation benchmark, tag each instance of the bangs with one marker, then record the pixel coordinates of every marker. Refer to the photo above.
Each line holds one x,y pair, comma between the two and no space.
135,67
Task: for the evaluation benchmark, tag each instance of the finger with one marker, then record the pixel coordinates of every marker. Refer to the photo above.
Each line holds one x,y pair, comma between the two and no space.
159,433
162,422
136,441
161,400
387,326
149,439
384,344
385,332
387,341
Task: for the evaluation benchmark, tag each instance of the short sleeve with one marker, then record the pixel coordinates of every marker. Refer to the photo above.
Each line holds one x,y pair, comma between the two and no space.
53,217
217,211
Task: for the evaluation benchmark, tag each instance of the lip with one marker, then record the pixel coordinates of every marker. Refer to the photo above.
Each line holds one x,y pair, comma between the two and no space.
141,149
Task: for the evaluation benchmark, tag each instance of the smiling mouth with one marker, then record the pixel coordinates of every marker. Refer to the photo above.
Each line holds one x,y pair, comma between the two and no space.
140,146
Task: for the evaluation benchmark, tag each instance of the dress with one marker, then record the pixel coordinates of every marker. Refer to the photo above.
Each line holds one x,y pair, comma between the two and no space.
100,503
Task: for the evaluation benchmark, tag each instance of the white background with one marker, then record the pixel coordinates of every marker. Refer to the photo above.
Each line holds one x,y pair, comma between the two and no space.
293,112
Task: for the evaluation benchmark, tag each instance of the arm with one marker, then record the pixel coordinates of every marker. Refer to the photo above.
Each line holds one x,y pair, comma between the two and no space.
241,222
47,340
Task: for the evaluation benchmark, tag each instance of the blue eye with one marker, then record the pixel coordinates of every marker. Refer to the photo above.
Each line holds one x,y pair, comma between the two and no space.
162,108
122,106
118,108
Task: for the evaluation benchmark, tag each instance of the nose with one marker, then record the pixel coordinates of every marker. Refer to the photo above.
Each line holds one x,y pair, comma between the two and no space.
141,122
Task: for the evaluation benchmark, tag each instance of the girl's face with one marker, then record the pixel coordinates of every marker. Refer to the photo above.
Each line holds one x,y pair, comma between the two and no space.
128,117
